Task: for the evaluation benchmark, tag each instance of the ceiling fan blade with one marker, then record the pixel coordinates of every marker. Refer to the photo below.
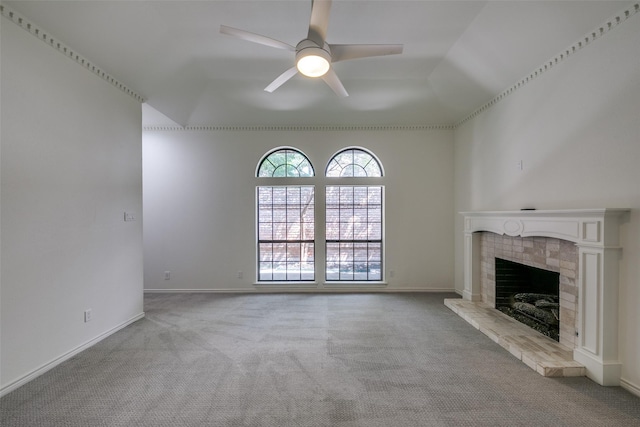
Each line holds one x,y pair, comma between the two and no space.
331,78
255,38
343,52
281,79
319,21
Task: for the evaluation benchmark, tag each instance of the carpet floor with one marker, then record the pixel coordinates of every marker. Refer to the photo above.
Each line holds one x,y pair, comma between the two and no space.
306,360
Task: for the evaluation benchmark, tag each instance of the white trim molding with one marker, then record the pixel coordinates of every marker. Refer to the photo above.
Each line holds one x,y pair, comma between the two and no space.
48,39
588,38
596,234
264,289
66,356
630,387
323,128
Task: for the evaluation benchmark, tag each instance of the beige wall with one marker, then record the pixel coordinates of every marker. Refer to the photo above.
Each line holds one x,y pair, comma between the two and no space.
576,129
71,166
199,198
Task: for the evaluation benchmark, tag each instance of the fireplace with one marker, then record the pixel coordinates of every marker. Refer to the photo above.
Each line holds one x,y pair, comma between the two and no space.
594,234
530,295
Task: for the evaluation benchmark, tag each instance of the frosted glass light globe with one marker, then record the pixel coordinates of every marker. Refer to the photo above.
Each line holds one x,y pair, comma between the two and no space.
313,66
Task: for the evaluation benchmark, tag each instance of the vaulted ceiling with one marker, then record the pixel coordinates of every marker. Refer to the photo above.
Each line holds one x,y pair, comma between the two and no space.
457,56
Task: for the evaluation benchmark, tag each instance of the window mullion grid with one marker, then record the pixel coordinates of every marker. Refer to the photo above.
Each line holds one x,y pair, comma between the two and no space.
367,206
286,224
353,230
351,254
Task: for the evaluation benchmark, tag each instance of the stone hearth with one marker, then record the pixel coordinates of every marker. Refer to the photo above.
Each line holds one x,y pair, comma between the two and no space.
542,354
589,282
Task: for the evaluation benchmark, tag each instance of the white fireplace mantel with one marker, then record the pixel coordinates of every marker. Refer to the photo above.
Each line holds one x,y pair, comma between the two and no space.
596,234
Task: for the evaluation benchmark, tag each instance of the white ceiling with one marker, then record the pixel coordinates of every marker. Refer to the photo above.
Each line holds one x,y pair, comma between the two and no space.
457,56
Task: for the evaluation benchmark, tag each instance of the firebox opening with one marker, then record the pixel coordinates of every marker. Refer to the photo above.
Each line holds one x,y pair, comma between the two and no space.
529,295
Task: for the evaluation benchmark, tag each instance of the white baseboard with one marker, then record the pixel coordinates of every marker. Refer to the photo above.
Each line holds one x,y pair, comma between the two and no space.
630,387
66,356
262,289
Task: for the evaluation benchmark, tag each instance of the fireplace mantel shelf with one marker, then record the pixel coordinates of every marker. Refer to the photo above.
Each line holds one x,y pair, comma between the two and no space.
594,227
596,234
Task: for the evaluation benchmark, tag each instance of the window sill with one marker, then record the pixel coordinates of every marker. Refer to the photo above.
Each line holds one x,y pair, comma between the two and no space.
288,284
344,284
355,283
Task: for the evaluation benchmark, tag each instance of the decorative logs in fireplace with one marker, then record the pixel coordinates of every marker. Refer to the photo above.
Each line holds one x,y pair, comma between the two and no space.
529,295
539,311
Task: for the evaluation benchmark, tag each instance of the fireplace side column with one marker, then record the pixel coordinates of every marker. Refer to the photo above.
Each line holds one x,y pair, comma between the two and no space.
471,290
597,343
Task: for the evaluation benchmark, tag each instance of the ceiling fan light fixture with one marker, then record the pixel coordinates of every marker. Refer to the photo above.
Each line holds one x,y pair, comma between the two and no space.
313,66
312,61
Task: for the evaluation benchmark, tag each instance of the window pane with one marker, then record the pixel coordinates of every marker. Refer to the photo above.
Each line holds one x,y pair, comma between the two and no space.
354,233
360,215
333,215
265,231
293,196
353,162
346,231
279,231
375,231
293,232
374,214
346,271
265,215
358,171
266,169
285,163
293,274
286,233
307,272
266,253
265,271
373,169
307,215
346,214
375,252
307,231
360,231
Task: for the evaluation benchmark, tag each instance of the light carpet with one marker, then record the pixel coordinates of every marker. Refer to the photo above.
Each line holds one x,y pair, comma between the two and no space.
307,360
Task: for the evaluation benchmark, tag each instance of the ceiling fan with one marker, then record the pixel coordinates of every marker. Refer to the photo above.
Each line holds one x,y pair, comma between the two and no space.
314,55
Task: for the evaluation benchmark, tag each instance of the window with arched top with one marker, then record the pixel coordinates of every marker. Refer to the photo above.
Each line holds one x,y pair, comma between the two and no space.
353,215
353,162
285,162
286,219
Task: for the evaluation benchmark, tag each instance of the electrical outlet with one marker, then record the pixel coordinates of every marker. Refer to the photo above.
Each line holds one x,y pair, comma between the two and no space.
519,165
129,216
87,316
167,275
239,274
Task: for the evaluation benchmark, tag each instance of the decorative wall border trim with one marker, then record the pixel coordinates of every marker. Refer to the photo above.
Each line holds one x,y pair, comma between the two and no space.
46,38
557,59
570,51
297,128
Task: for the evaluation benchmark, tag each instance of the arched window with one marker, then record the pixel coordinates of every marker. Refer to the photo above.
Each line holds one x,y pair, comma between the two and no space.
286,224
285,162
354,219
354,162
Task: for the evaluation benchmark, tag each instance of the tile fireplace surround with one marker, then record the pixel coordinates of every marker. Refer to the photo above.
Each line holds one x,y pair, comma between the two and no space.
583,245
